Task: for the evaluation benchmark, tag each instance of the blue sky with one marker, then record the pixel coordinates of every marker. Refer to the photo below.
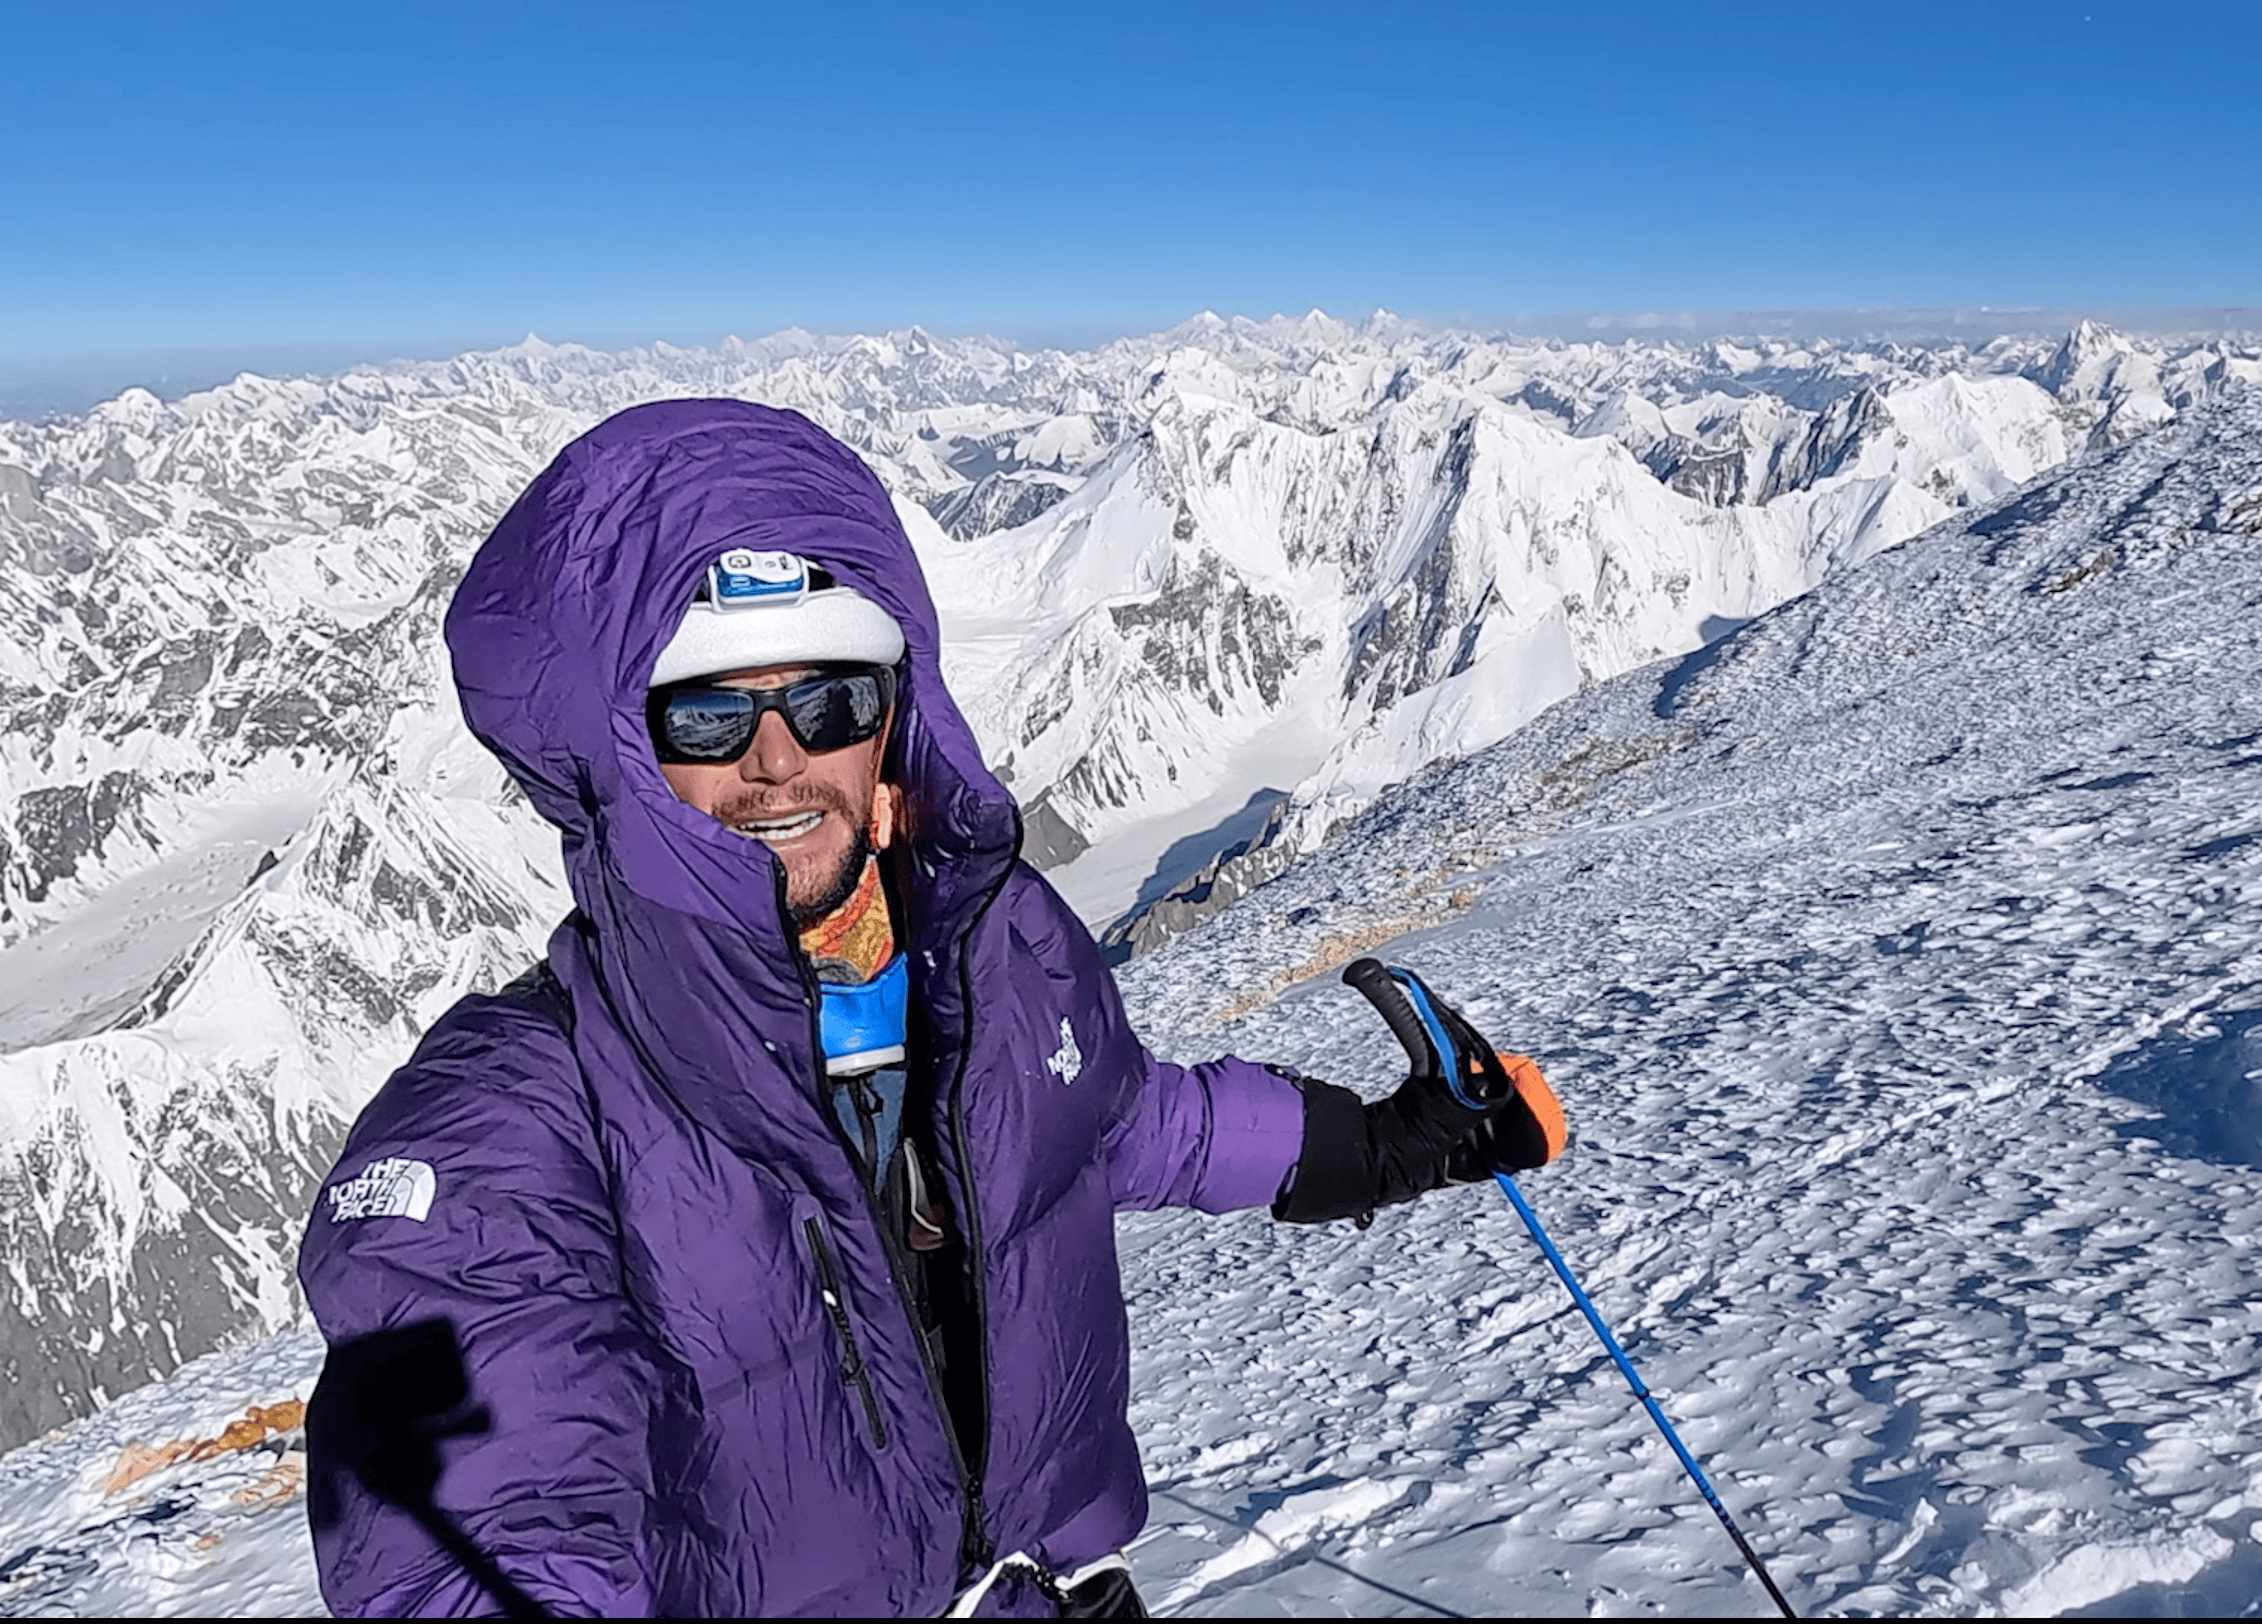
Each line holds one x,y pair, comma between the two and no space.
411,174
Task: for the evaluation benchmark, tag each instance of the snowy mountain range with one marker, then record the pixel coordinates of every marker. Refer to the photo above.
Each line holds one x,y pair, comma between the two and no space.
1220,586
1898,957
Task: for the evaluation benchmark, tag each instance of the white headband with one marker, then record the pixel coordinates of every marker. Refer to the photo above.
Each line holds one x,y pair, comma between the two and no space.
775,609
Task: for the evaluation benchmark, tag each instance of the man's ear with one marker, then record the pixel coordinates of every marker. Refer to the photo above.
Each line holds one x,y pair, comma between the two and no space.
887,806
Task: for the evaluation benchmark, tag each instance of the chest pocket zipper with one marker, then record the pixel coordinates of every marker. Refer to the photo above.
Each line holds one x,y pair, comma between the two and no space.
836,1308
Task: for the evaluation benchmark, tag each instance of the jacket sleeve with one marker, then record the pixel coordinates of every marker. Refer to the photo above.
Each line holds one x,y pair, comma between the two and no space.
1219,1136
468,1218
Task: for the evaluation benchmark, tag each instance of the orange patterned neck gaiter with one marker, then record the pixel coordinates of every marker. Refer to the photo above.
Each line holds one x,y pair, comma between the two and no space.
854,942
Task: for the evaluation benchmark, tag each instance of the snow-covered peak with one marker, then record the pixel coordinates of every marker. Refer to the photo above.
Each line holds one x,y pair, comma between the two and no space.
1218,587
1894,956
1895,960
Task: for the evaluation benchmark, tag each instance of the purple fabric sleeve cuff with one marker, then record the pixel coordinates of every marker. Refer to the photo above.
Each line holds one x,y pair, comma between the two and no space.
1256,1133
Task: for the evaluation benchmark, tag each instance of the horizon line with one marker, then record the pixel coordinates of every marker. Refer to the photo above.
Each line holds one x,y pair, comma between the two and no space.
44,380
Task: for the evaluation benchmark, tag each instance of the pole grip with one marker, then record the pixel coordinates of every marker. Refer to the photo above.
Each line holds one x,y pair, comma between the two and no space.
1372,981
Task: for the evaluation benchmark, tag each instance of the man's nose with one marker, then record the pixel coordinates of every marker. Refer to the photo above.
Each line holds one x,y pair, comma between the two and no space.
775,755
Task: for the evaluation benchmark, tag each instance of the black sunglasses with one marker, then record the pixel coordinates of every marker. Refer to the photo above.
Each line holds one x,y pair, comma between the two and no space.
694,722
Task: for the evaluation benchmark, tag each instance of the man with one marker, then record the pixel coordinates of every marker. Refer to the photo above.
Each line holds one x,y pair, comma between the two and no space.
771,1218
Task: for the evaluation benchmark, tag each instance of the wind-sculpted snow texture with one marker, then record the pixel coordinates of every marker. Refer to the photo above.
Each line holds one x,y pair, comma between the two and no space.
246,852
1899,959
165,1505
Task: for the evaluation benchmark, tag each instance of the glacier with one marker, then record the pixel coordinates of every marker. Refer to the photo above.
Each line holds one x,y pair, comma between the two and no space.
1898,957
1251,576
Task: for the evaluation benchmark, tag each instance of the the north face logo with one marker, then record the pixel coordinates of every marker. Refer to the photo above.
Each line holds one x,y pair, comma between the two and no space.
393,1188
1066,1063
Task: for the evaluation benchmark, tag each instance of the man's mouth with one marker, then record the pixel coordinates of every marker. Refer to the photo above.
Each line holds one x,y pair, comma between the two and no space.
775,831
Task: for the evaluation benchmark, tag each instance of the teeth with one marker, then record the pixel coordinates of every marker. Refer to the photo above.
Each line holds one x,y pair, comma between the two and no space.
780,828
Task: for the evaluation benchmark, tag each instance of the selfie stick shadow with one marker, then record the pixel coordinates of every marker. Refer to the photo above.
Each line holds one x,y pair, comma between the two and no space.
384,1405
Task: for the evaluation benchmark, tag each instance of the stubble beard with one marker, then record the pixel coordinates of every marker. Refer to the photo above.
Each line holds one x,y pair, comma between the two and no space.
810,910
810,897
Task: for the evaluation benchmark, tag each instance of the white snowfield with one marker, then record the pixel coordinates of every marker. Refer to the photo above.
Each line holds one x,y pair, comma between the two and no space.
1899,960
1222,584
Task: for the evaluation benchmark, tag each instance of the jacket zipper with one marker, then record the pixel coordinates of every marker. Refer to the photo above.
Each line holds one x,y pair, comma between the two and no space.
836,1306
974,1541
976,1548
866,1104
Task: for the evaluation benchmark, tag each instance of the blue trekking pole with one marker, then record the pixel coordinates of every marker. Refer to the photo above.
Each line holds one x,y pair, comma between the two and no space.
1443,1045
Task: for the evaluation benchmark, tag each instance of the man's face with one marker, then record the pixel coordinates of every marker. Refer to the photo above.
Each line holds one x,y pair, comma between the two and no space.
813,809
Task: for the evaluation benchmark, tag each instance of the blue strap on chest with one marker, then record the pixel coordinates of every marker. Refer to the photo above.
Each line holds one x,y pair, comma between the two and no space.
862,1026
869,1108
862,1030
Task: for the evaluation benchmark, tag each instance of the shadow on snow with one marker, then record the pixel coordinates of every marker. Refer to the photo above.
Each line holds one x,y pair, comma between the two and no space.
2205,1084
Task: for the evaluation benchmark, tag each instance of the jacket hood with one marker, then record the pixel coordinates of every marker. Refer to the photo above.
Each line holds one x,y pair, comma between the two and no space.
556,626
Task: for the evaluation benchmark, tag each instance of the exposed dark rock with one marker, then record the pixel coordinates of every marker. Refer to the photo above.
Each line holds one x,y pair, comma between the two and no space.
1048,839
996,501
1225,878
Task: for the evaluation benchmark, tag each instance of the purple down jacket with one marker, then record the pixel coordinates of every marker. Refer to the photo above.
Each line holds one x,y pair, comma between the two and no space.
625,1205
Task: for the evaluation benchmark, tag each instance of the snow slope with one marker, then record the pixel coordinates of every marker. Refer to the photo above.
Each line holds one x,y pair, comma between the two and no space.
1900,960
1251,575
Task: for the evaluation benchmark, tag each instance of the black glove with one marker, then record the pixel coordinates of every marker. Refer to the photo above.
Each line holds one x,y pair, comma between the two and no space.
1463,1113
1357,1157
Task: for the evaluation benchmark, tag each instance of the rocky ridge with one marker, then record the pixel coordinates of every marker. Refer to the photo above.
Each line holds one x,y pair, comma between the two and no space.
246,852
